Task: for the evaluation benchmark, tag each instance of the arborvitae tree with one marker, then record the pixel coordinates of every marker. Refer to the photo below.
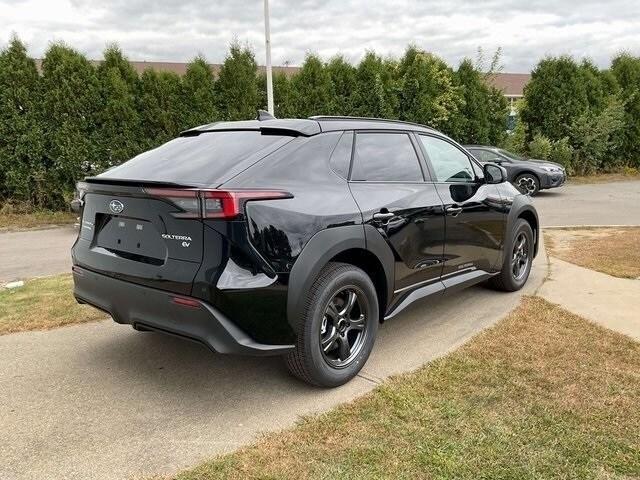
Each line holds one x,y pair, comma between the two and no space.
428,95
283,100
312,88
160,106
471,123
556,95
236,87
120,131
284,103
199,98
597,88
343,80
626,70
21,168
498,109
374,88
68,114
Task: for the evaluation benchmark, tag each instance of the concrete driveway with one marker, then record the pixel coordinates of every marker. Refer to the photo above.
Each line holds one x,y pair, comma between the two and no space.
597,204
101,401
35,253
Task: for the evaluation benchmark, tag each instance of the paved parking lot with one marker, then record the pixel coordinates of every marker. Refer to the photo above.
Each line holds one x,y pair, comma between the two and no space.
597,204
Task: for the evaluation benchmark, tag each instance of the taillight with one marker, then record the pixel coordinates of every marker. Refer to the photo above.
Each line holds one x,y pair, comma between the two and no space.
229,204
226,204
188,200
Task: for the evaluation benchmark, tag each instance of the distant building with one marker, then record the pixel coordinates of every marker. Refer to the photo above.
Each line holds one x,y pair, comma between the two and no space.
512,87
511,84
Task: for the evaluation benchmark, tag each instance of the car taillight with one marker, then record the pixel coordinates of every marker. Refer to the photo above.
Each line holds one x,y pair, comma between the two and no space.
229,204
188,200
225,204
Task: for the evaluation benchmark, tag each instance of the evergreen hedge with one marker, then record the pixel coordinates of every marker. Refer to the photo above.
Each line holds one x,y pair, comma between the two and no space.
75,119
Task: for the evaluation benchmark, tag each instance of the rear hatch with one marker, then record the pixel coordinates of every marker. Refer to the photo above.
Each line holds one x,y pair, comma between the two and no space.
128,233
143,221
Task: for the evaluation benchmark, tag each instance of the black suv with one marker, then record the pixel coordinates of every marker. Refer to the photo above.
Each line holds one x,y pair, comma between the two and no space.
296,237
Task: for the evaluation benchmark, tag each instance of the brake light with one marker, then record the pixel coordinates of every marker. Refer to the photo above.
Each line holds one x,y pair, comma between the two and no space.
225,204
188,200
229,204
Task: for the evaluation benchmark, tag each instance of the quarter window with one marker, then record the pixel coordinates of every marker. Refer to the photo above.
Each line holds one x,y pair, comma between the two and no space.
450,163
385,157
341,156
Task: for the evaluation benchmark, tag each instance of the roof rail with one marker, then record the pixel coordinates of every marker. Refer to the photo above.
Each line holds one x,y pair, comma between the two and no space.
368,119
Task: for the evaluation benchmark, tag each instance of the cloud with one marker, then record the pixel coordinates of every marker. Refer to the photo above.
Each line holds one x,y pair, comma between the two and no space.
177,31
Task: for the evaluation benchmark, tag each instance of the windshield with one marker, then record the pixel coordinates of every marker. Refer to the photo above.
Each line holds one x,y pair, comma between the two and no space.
200,160
511,155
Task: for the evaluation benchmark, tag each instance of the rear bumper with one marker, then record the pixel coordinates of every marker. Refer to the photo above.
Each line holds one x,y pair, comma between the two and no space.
145,307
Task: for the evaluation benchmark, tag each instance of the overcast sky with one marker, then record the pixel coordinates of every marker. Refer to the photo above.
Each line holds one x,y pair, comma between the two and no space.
176,30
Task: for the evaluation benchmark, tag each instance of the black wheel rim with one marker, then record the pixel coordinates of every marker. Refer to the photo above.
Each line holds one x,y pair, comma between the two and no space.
343,327
527,185
520,257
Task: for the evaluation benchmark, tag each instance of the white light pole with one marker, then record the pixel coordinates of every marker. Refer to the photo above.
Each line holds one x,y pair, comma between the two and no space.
267,36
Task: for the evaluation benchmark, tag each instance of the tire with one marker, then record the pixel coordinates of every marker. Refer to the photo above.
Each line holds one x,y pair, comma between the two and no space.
324,319
528,184
507,280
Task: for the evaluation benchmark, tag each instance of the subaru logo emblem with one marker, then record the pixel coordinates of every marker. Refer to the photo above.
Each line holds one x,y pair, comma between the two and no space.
116,206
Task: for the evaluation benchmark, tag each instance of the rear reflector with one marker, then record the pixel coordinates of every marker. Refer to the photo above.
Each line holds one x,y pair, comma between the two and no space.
224,204
186,302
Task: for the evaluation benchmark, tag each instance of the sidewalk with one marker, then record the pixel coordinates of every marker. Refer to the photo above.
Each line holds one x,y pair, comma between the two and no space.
609,301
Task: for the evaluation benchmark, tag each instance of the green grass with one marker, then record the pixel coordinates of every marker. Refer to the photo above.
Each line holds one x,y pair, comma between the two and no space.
544,394
43,218
42,303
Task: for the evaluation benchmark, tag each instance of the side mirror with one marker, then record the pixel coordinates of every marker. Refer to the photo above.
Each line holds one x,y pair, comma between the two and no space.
494,174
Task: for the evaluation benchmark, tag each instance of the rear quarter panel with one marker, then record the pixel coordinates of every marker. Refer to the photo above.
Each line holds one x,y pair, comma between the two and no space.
280,229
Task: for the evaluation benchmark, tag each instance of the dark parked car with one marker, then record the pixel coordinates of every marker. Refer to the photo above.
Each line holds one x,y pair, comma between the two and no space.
527,174
296,237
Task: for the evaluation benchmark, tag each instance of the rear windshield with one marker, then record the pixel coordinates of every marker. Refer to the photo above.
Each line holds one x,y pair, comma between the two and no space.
201,160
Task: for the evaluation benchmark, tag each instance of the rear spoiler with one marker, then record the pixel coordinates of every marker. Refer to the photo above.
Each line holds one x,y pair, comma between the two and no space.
134,183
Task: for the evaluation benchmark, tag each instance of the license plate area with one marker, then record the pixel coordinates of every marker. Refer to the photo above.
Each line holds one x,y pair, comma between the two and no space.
130,238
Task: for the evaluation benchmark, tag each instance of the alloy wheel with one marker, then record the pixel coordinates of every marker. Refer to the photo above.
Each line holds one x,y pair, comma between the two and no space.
343,327
520,257
527,185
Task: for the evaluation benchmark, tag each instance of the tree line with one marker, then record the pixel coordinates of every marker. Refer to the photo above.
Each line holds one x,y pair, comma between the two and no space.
76,118
587,119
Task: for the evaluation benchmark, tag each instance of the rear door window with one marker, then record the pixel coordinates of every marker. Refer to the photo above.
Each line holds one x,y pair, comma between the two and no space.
199,160
385,157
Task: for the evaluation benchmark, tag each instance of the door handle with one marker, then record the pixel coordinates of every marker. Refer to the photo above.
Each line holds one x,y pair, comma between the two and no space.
453,210
383,215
